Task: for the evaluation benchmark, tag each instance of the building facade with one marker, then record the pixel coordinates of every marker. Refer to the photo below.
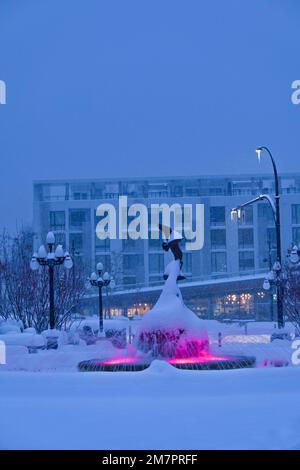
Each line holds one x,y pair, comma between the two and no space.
239,248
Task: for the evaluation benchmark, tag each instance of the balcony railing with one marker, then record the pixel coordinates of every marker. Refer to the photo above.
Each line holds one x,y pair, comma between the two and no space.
193,281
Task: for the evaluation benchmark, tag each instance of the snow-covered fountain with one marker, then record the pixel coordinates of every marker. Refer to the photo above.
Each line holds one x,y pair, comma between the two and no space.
170,332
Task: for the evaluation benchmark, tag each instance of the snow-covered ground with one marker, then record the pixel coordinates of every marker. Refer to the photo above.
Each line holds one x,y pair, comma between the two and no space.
159,408
45,403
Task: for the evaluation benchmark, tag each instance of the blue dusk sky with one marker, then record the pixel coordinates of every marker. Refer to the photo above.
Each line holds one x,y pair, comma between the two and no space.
143,88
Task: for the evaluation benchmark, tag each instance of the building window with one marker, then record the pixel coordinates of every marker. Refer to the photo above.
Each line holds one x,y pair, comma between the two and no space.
187,262
246,260
216,191
218,239
265,212
102,245
132,245
76,242
80,196
155,244
217,215
247,216
158,193
178,191
56,192
218,262
129,280
237,306
57,220
132,262
78,217
80,191
154,279
296,235
193,192
271,237
156,263
295,213
246,239
60,239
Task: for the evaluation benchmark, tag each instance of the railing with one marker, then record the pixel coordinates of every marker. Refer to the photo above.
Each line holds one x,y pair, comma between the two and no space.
192,280
202,193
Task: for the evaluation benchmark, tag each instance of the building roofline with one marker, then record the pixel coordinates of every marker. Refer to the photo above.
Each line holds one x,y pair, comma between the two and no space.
237,176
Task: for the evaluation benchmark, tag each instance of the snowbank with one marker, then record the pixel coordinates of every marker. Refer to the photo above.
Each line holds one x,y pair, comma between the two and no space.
22,339
159,408
65,358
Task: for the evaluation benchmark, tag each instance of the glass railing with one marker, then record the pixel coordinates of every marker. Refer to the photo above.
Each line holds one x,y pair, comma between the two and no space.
91,197
218,278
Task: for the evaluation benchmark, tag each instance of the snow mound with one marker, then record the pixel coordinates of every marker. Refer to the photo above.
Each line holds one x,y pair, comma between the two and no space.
161,367
30,330
7,328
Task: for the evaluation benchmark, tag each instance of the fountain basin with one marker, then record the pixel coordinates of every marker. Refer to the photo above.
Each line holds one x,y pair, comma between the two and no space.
133,364
214,362
122,364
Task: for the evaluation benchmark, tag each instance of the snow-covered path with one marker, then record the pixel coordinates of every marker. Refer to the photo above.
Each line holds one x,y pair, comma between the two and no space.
159,408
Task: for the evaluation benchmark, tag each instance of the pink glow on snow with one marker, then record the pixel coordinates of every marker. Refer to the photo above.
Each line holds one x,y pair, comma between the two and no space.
176,360
121,360
196,360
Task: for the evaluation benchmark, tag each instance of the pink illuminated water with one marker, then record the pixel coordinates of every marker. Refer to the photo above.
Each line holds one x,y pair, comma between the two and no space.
175,360
173,348
172,343
121,360
196,360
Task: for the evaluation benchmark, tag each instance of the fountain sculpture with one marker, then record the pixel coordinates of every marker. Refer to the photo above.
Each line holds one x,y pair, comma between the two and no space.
171,332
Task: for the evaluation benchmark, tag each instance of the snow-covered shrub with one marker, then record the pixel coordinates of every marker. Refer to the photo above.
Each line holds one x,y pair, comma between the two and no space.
38,341
7,328
117,337
30,330
60,336
73,337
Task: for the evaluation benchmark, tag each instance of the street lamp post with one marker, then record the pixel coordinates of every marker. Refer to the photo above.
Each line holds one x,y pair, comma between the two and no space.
269,259
54,257
259,150
273,278
101,280
280,316
276,214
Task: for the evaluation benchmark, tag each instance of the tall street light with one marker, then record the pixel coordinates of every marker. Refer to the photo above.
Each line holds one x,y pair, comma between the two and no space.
54,257
276,214
269,260
259,151
101,280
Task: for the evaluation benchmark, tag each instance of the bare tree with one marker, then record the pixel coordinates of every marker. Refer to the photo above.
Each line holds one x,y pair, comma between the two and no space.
25,293
291,295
